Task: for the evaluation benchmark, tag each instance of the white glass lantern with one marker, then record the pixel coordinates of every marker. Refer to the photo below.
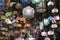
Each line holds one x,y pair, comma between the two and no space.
50,33
47,38
54,26
31,38
56,17
28,12
50,3
41,25
19,39
54,10
43,34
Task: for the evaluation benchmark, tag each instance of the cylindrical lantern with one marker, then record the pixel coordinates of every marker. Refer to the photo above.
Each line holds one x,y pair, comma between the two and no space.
36,1
55,10
50,3
28,12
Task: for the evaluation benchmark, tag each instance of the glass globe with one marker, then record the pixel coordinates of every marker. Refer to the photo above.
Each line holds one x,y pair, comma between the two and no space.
50,33
50,17
41,25
50,3
43,34
8,14
56,17
54,10
36,1
47,38
25,1
28,12
54,26
46,21
31,38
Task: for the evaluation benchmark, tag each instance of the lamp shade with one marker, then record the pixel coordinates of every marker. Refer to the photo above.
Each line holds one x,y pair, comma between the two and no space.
8,14
25,1
50,3
54,26
47,38
54,10
36,1
43,34
50,17
50,33
46,21
28,12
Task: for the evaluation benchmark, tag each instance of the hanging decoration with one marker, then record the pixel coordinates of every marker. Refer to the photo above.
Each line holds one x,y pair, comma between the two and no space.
55,10
47,38
46,21
8,14
54,26
50,33
36,1
43,34
28,12
50,3
25,1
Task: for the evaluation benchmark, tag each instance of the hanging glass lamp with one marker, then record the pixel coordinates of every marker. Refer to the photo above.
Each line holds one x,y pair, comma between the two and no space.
50,3
36,1
28,12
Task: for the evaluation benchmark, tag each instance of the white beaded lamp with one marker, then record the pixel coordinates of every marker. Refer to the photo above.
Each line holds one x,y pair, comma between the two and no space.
28,12
50,3
55,10
54,26
47,38
50,33
43,34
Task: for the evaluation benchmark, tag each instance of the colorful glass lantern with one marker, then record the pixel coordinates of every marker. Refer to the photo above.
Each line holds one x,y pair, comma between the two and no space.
36,1
28,12
43,33
8,14
50,17
46,21
50,33
56,17
25,1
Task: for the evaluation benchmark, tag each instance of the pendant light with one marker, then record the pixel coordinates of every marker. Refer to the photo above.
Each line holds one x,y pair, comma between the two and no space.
28,12
50,3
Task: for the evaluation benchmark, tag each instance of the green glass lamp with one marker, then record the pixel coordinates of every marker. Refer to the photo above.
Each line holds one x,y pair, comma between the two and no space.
36,1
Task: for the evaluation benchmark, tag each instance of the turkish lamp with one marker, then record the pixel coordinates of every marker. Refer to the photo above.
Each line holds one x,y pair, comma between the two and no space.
47,38
43,34
50,32
55,10
36,1
50,3
54,26
28,12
